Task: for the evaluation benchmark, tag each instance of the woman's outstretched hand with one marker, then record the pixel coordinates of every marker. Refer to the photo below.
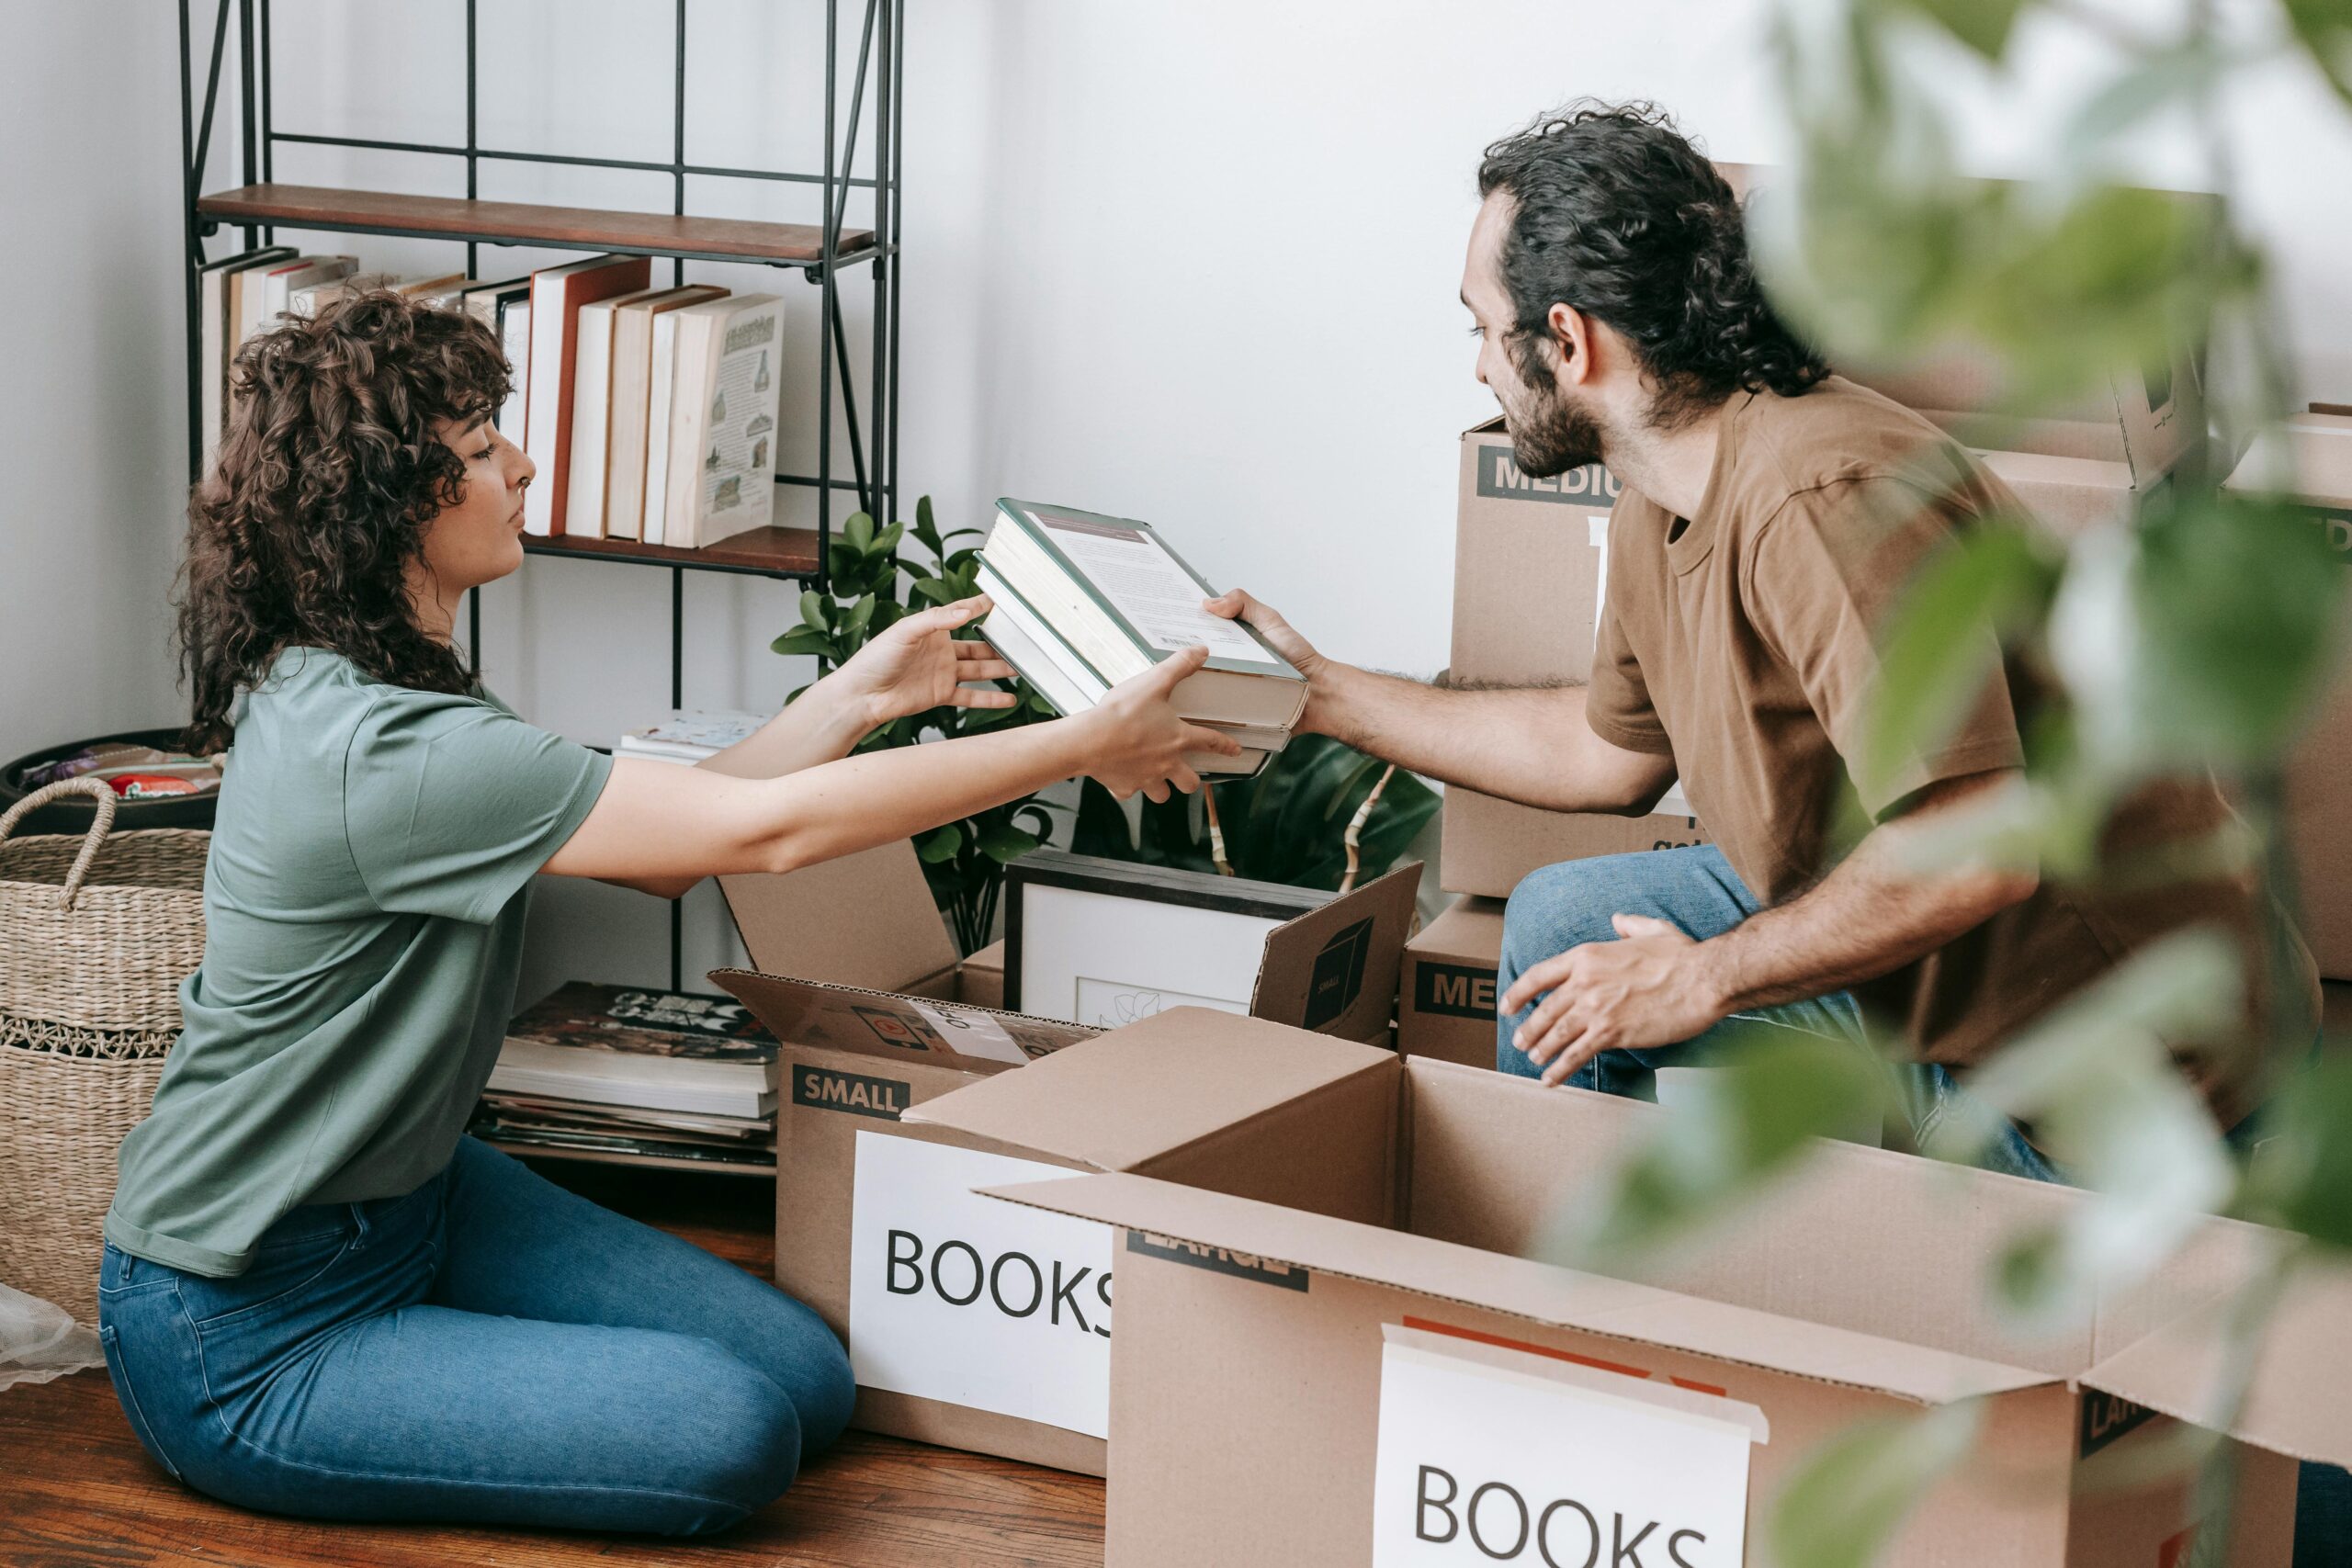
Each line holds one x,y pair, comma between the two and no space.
1136,742
918,665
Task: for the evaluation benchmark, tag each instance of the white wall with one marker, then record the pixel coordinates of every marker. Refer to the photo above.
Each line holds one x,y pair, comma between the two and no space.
92,387
1194,261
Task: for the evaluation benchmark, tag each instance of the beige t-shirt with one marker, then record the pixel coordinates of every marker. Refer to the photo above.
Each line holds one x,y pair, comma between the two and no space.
1743,643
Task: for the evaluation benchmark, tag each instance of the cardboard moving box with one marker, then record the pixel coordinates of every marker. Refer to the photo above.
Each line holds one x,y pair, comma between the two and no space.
2312,453
1529,567
1298,1389
875,1226
1446,991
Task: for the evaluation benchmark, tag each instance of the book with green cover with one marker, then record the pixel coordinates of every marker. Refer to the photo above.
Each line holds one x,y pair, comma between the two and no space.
1113,592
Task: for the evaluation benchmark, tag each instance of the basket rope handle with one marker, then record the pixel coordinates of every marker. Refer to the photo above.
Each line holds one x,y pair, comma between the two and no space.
98,789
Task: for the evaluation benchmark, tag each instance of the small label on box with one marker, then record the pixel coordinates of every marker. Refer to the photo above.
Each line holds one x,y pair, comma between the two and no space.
1218,1260
825,1090
1453,990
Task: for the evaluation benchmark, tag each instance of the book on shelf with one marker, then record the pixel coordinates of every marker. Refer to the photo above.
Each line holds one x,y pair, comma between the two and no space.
556,295
633,339
591,412
621,1049
689,735
724,399
269,294
214,345
1084,602
635,1148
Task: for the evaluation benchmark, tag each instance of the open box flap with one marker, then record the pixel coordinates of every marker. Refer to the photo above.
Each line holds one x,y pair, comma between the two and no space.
1539,1293
1334,970
864,919
891,1025
2298,1400
1156,1085
2312,452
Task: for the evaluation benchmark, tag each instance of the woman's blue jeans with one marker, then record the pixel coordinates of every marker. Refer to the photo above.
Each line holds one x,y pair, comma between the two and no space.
489,1348
1567,905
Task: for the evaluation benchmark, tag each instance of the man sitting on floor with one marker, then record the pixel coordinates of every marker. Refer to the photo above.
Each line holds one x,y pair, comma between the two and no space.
1770,517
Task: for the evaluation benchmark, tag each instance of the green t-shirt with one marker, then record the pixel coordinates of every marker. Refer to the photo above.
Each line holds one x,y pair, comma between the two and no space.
364,905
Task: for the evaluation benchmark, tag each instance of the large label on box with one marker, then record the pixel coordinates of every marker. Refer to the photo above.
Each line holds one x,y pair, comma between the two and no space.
973,1301
1492,1453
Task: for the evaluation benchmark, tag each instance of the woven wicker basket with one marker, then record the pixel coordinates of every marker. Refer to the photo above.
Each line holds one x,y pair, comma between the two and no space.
96,934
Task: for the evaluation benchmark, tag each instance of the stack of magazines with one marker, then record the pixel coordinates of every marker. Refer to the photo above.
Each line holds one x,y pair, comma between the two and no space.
606,1070
1084,602
689,735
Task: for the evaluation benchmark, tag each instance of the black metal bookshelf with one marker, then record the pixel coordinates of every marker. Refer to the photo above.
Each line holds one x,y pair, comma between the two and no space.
826,253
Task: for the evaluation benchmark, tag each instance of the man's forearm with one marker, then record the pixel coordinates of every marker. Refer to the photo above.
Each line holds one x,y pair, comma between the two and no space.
1527,744
1870,916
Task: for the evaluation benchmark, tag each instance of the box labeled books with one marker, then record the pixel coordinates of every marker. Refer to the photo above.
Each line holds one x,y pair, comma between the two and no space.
881,1022
1392,1375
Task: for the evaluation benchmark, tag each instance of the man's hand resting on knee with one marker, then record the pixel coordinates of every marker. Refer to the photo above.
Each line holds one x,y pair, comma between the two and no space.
1654,986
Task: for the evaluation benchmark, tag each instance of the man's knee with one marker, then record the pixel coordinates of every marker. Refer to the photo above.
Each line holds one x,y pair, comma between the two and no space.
1555,908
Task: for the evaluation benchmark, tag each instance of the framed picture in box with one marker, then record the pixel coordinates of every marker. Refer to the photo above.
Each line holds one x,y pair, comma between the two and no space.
1104,942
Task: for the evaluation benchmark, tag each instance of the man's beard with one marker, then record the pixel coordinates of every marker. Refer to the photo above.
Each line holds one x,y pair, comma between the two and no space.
1549,433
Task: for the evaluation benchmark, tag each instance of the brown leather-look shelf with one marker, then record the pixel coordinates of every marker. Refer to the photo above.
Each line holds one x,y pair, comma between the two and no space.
516,222
771,551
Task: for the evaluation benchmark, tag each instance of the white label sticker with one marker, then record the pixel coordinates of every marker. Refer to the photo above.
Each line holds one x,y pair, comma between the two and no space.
973,1301
1495,1454
972,1033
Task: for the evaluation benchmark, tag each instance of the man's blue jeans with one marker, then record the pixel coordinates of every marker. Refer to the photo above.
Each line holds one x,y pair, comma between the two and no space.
1563,906
487,1349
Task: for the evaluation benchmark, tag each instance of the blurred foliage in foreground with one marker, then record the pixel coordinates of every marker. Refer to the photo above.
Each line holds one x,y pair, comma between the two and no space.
2197,638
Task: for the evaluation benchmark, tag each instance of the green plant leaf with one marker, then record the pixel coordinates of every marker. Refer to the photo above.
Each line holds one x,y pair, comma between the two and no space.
2202,637
2095,1079
2325,29
1743,1122
2153,85
1102,826
860,616
1849,1496
886,543
1983,24
937,590
2301,1176
859,531
816,609
1945,650
939,846
1002,842
804,640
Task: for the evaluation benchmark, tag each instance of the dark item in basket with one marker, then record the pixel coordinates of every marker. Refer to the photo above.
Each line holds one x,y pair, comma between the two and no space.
72,813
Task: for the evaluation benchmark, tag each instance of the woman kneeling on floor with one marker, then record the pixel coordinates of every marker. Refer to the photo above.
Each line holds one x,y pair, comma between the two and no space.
319,1297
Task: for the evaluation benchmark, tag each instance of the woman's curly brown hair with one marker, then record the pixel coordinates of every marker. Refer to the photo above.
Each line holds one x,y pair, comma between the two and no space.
328,474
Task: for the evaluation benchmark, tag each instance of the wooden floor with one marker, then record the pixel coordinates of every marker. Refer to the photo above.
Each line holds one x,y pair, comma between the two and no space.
76,1491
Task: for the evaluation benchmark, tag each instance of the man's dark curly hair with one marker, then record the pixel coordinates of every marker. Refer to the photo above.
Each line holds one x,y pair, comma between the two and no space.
328,474
1616,215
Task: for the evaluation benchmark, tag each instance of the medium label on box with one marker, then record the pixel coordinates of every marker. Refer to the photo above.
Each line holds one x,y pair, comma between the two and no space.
1501,478
974,1302
1454,990
1495,1454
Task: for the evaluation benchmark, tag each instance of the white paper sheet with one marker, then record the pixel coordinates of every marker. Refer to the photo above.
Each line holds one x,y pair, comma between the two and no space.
1094,958
1158,596
974,1302
1491,1453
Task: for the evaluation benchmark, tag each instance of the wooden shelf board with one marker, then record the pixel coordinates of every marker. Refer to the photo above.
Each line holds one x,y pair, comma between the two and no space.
567,228
778,552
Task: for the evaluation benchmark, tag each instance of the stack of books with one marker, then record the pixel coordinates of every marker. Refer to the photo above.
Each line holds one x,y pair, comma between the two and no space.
608,1071
688,734
651,412
1083,602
